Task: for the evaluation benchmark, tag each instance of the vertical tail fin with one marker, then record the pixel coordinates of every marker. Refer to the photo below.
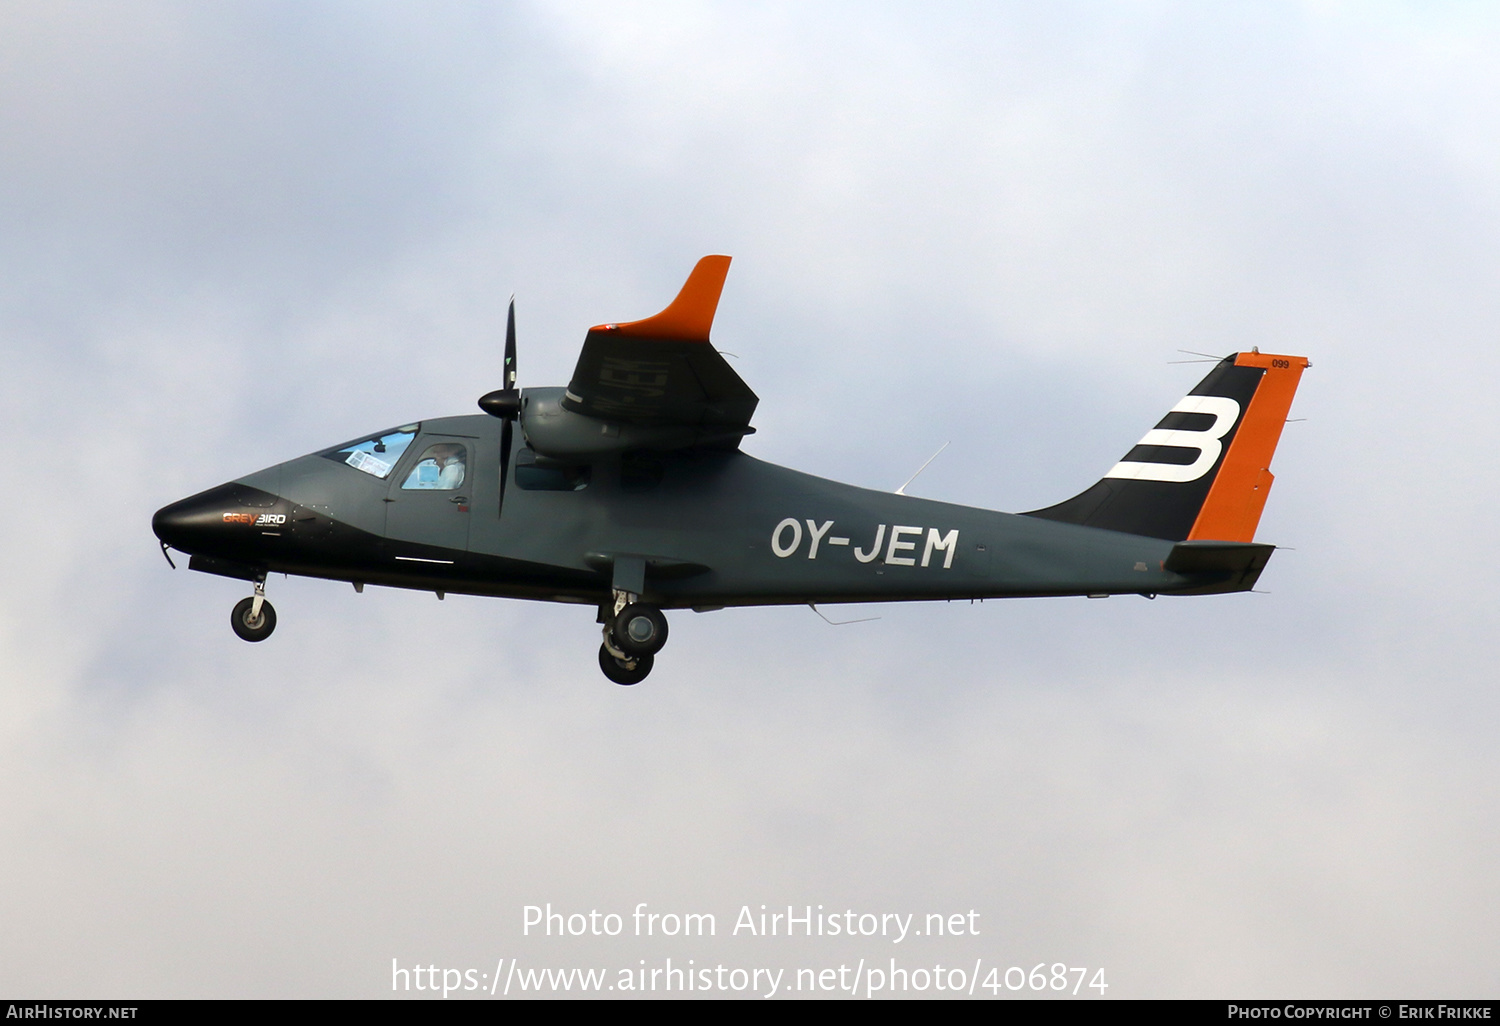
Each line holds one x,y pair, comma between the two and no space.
1204,471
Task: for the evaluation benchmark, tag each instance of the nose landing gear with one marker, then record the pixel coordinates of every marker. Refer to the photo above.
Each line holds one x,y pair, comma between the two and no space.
254,618
632,636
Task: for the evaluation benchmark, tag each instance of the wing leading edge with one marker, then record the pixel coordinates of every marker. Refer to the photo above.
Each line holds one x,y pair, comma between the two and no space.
662,371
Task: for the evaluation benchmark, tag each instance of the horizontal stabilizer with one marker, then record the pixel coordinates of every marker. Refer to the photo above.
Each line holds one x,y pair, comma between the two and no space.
1234,566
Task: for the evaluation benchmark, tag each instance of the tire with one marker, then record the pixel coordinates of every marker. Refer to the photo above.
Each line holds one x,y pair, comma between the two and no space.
248,631
618,673
640,630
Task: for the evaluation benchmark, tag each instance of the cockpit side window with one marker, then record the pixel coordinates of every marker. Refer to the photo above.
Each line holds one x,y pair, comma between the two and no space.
376,455
441,468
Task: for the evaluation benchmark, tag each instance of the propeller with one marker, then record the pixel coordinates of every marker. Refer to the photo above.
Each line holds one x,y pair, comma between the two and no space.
505,403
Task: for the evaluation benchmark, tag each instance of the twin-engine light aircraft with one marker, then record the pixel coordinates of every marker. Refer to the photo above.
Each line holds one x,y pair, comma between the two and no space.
627,491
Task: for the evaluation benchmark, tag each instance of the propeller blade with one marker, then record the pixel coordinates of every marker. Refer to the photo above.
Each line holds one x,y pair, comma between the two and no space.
505,402
505,439
512,401
510,347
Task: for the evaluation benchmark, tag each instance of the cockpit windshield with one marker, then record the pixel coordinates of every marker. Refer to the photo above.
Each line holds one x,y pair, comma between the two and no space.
376,455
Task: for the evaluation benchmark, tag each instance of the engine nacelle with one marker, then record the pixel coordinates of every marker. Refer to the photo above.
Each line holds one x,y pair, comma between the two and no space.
559,434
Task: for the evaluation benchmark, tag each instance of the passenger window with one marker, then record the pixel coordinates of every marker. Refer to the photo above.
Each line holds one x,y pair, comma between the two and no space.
441,468
550,477
377,455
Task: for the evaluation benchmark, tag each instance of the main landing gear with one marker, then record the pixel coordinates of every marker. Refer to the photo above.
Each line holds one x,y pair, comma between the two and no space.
633,633
627,670
254,618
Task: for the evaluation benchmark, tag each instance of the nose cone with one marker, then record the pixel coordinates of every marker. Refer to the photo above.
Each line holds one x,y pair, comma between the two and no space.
192,524
214,522
180,524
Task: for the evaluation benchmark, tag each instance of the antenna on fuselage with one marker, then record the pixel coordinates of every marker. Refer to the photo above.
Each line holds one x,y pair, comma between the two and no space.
902,489
839,623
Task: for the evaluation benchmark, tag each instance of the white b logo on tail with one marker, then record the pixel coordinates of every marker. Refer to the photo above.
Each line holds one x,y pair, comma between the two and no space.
1224,411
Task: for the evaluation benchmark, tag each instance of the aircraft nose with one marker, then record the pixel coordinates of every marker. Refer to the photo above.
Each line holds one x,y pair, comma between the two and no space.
186,523
201,523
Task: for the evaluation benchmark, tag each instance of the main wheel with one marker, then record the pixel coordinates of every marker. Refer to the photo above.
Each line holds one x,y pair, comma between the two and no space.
617,672
258,629
640,630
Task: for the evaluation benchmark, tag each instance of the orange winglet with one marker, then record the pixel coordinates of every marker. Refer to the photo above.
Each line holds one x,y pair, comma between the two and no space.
1234,504
691,314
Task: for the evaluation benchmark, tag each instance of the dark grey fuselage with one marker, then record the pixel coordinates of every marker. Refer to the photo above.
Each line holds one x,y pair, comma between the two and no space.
710,527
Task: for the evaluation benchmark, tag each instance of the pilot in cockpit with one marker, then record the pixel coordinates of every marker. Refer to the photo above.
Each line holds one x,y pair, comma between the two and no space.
440,468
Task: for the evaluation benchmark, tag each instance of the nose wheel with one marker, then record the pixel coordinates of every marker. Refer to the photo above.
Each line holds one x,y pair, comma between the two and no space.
253,619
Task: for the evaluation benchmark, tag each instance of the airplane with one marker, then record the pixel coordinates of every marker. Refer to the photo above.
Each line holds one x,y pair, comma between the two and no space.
627,491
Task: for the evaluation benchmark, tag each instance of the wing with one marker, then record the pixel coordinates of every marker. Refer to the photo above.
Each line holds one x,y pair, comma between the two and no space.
662,371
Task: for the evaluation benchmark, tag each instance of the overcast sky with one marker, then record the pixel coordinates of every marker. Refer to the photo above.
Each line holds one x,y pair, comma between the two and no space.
234,233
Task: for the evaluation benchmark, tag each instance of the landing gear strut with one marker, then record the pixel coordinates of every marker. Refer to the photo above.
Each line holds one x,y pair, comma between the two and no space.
633,633
254,618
